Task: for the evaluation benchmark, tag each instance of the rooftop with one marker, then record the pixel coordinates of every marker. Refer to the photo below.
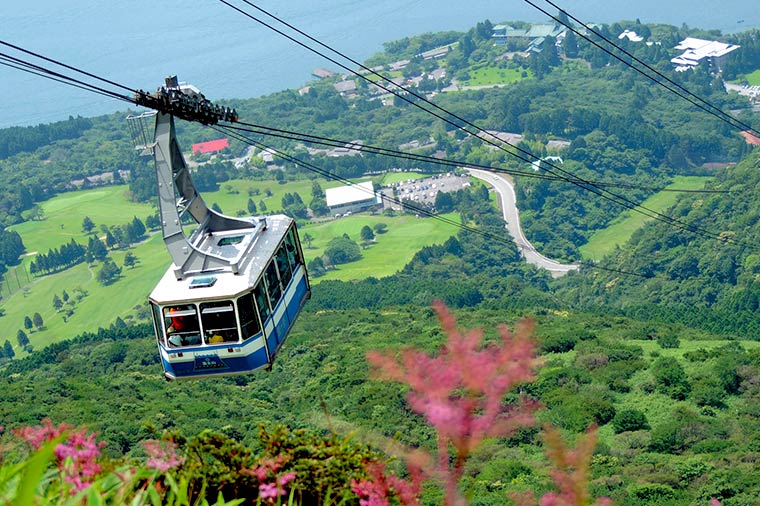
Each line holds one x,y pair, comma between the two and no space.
630,35
258,244
695,50
211,146
343,195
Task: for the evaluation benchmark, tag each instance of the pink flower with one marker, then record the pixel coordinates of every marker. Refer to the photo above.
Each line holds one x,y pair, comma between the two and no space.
269,491
77,456
78,459
571,467
272,490
162,455
38,436
379,488
460,392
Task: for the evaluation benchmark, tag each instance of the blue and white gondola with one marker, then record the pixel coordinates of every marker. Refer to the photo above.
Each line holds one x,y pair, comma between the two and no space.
232,323
227,303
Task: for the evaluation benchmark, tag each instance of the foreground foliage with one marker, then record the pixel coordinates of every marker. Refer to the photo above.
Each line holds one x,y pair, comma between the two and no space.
462,401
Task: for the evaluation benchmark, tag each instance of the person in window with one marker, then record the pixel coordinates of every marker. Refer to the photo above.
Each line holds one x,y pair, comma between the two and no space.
215,339
179,323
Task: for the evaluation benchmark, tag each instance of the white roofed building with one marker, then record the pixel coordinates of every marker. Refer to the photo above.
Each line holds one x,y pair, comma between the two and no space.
695,51
352,198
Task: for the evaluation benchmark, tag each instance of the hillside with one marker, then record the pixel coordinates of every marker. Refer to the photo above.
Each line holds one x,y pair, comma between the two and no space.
657,343
686,276
686,446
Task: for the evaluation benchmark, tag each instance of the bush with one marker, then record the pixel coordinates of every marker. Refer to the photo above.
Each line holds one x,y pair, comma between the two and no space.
708,392
629,420
652,492
668,341
670,378
341,250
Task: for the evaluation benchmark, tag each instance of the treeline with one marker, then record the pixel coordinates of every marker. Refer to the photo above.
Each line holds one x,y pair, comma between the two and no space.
142,183
745,60
72,253
468,270
708,277
53,353
11,247
15,140
58,259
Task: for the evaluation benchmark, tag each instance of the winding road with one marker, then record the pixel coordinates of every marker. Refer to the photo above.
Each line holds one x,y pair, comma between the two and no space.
511,216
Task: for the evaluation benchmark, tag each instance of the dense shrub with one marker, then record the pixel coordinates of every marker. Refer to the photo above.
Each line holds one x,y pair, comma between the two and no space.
629,420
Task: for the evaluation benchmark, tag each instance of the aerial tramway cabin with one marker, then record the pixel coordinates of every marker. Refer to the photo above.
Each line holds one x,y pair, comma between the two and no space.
236,285
222,323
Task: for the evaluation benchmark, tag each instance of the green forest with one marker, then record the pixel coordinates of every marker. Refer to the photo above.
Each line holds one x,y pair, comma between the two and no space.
631,380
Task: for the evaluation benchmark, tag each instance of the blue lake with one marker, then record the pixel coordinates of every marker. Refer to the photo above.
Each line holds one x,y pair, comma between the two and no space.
229,55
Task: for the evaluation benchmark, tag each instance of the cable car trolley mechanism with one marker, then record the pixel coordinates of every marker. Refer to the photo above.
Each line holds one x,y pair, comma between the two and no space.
236,285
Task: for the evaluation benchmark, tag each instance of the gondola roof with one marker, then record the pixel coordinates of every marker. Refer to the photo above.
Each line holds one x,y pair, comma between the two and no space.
261,247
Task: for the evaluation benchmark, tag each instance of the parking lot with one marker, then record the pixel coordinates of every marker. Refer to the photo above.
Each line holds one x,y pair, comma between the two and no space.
425,190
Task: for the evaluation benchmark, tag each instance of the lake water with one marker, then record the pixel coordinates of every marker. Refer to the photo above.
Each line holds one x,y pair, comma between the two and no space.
228,55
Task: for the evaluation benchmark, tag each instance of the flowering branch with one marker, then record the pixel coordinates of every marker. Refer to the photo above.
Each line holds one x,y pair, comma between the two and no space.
460,392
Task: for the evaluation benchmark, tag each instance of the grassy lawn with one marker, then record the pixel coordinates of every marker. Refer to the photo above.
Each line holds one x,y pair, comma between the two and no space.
64,215
622,228
99,308
754,78
233,195
392,250
397,177
487,76
108,206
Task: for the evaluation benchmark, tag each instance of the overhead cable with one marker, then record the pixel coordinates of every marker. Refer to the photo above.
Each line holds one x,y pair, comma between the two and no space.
677,89
360,146
463,124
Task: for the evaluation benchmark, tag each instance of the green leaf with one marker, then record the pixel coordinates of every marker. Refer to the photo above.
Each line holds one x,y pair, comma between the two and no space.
33,470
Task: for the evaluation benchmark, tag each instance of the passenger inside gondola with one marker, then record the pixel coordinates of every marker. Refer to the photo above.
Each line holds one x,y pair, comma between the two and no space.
219,323
182,326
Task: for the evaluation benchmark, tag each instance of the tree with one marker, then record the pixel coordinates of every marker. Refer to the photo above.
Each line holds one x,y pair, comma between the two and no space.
671,378
87,225
109,272
57,302
319,207
152,221
130,260
36,214
135,230
317,267
262,206
251,206
97,249
28,323
366,233
38,321
307,238
22,338
444,202
380,228
8,349
629,420
570,44
341,250
215,207
316,191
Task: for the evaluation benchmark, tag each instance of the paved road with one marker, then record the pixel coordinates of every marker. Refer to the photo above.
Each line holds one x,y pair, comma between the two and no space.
509,208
